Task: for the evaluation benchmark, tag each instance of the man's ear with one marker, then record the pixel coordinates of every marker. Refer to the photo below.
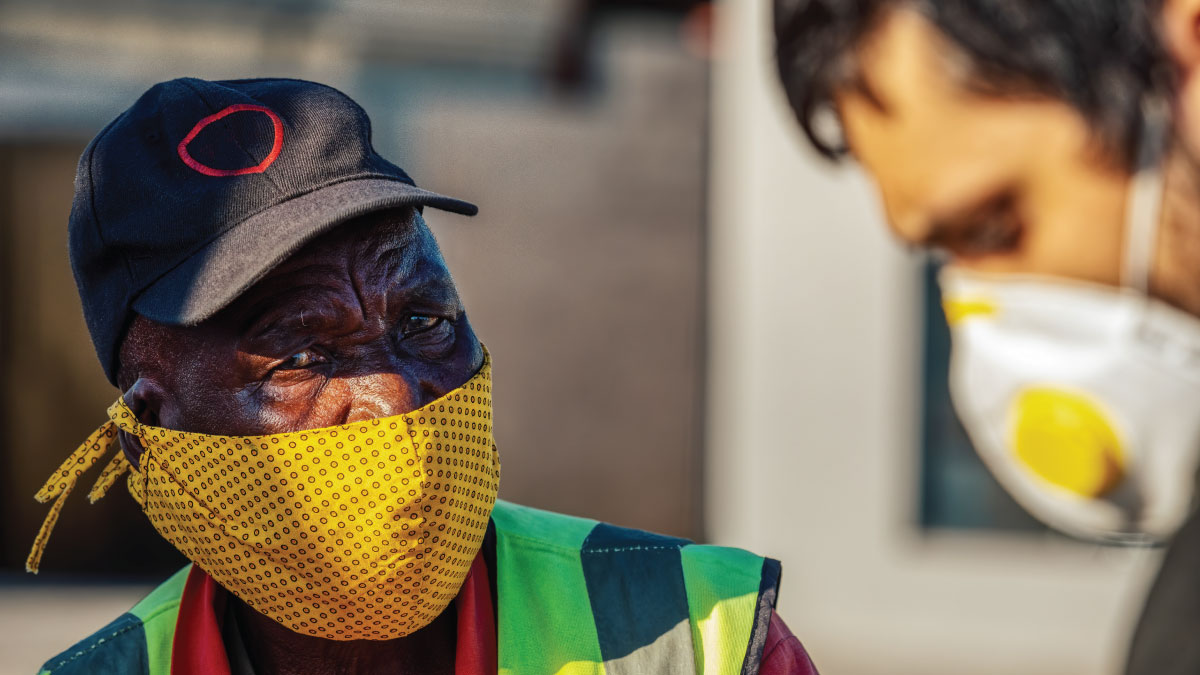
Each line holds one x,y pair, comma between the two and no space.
1181,38
150,403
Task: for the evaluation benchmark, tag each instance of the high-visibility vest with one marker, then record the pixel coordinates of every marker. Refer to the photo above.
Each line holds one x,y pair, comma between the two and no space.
573,596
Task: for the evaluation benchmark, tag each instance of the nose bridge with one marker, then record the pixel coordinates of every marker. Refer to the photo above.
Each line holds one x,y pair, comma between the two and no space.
382,393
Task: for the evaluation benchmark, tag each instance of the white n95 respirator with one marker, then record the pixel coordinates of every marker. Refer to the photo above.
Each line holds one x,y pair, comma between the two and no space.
1083,399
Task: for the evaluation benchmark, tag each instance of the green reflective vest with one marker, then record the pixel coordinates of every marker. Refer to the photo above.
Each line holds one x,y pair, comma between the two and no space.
573,597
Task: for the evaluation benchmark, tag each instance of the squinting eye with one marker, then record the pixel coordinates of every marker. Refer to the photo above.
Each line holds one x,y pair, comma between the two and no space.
305,359
997,231
997,234
419,323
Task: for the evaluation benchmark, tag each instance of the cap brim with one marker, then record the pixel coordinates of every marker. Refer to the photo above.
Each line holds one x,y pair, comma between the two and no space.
214,276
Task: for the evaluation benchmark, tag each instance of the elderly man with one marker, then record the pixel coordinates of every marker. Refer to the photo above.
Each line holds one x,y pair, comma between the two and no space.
1049,149
307,416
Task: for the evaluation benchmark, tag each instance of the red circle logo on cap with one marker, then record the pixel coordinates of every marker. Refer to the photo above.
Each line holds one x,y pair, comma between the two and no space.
276,145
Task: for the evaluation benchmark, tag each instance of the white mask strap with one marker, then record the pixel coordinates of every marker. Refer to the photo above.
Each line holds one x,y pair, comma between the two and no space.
1144,206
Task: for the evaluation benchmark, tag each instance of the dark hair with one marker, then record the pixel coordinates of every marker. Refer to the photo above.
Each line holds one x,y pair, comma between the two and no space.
1101,56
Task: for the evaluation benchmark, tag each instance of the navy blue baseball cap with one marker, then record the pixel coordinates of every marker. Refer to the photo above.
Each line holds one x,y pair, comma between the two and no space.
200,188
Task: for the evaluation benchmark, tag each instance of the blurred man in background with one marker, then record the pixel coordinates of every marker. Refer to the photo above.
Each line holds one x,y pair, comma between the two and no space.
1047,148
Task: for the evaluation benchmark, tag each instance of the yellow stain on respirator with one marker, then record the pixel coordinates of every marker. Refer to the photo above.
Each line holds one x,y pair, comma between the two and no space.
959,309
1066,439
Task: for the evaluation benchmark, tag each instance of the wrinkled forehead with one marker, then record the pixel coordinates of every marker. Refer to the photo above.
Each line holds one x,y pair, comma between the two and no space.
380,251
384,236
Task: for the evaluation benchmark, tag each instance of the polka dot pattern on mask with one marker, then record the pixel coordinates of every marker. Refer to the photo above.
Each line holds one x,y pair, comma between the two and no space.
360,531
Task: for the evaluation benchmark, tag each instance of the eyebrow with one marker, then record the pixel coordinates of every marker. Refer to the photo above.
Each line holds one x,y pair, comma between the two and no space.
438,290
278,311
270,309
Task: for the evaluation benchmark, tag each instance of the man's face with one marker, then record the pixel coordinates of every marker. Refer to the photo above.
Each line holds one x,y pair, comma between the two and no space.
1002,184
363,322
1181,37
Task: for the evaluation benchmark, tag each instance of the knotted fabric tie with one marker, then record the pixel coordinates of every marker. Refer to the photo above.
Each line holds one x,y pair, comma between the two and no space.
58,487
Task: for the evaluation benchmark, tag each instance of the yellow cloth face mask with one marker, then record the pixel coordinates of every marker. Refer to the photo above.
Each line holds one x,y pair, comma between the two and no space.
359,531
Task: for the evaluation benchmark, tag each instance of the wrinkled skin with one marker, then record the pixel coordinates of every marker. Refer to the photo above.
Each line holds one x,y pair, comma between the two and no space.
363,322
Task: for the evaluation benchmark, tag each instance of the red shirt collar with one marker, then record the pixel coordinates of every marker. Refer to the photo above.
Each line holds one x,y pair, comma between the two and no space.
200,650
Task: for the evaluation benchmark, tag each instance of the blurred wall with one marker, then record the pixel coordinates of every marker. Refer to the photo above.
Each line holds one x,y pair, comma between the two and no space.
53,392
584,274
812,424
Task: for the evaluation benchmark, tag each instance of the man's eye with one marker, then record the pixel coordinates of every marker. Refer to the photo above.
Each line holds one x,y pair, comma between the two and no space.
998,230
994,235
305,359
419,323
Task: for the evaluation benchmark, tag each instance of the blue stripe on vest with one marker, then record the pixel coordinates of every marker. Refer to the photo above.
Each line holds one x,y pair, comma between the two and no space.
635,585
117,649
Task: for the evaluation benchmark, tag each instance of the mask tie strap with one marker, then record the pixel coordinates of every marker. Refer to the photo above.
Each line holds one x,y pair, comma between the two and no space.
58,487
124,419
1144,206
112,471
